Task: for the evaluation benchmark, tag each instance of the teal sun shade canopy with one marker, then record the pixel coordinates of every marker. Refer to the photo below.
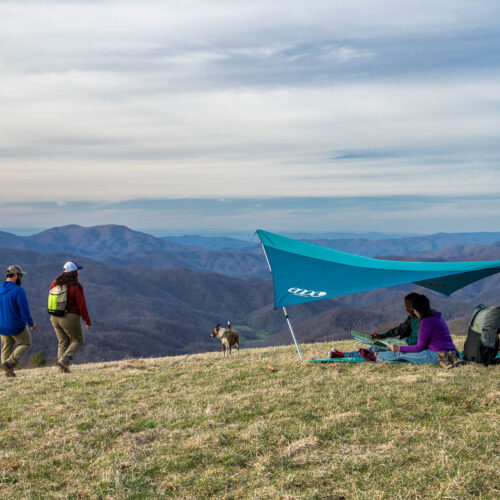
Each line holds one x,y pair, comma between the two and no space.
303,272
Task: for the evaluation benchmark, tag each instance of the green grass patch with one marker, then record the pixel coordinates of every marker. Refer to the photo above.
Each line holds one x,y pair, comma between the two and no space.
249,336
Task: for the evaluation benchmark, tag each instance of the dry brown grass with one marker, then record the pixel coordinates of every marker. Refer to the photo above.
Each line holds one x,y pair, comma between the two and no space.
232,428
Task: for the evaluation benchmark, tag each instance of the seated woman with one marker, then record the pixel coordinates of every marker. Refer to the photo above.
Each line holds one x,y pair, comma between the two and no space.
433,337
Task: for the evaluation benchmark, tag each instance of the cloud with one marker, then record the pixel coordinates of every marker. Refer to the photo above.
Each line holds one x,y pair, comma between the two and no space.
225,100
345,54
249,142
390,214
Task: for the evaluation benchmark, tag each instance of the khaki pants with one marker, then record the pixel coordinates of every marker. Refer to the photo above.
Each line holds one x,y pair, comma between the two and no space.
11,356
69,331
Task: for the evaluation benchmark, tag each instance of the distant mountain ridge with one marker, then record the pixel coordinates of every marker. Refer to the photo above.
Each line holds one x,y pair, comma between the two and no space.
88,240
120,246
462,253
211,242
408,245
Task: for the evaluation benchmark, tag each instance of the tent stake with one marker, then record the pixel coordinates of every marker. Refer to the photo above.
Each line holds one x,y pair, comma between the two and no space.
284,310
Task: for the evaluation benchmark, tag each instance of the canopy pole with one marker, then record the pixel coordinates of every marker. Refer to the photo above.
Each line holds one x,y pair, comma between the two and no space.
293,334
284,310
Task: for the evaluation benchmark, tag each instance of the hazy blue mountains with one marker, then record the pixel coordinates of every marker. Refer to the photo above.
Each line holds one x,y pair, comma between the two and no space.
409,245
149,296
120,246
213,242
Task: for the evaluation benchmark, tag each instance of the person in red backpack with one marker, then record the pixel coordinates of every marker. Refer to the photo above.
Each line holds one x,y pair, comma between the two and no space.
68,327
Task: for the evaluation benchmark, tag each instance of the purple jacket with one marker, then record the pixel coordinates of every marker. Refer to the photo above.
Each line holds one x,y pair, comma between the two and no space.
433,334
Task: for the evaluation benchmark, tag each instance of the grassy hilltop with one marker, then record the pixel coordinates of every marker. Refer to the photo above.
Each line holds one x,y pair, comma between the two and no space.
232,428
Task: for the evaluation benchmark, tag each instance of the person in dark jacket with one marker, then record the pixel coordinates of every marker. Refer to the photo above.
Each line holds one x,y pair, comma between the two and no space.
408,329
69,328
14,315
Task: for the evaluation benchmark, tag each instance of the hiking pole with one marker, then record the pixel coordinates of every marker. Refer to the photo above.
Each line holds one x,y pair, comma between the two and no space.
118,394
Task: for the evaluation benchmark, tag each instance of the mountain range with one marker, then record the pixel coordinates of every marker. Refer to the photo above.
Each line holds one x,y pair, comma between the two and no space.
120,246
151,296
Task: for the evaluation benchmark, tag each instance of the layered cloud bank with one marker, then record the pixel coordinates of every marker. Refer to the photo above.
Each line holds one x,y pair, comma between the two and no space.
241,216
104,102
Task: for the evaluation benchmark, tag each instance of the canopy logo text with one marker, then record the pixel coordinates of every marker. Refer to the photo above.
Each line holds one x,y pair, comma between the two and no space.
301,292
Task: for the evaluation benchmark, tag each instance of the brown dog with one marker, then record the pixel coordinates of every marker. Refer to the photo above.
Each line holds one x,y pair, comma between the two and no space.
228,338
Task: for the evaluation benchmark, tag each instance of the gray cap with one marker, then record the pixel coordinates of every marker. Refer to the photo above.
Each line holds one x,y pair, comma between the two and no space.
15,270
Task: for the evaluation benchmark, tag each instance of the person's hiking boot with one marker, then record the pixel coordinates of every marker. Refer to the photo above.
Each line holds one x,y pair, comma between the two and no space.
368,355
444,360
336,354
448,359
9,372
455,359
63,367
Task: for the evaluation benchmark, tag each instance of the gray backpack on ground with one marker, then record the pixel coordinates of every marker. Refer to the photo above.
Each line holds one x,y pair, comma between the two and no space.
482,341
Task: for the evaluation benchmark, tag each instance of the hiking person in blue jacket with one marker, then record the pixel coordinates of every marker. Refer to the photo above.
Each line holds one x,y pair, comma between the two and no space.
14,314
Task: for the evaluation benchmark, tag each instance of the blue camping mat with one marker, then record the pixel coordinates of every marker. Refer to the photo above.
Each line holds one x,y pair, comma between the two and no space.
361,360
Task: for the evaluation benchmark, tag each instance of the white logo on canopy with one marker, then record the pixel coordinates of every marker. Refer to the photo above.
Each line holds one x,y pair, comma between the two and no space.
301,292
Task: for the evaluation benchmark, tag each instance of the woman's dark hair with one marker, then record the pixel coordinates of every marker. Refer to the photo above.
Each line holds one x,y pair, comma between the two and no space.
422,305
411,296
68,279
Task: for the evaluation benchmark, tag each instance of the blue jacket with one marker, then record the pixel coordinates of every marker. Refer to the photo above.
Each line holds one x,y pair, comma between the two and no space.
14,309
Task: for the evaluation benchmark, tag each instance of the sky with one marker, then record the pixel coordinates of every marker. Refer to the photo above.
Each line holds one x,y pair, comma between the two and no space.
213,116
